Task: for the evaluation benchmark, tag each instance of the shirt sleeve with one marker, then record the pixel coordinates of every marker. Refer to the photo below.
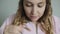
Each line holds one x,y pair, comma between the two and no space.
6,22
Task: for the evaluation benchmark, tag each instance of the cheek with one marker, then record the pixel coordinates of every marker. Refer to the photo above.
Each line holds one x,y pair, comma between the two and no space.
27,10
41,11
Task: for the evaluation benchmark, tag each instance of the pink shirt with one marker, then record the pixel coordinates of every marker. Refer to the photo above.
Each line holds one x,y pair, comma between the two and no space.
32,26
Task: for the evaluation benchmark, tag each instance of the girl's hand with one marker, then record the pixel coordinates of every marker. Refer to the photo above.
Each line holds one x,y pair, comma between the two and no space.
12,29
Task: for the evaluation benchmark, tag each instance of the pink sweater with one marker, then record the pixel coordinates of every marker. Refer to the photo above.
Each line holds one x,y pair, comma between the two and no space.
32,26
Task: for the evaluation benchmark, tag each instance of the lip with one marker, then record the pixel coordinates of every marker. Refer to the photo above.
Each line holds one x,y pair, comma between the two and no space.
33,17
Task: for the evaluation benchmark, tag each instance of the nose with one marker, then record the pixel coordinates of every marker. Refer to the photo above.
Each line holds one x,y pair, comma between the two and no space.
34,10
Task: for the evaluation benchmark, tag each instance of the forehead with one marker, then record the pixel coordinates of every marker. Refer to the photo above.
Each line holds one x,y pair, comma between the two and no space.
35,1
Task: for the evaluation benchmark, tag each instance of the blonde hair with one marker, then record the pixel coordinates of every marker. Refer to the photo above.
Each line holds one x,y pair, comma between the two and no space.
45,20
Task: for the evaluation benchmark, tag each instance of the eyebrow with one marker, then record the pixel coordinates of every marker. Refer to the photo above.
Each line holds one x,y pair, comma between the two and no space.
41,3
28,2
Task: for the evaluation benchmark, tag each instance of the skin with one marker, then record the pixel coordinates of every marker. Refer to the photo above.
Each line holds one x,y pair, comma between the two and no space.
34,9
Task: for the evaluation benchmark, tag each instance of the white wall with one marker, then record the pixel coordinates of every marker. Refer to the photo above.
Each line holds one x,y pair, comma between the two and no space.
7,7
56,7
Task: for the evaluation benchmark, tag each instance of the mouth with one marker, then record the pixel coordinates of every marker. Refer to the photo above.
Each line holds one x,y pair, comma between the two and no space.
33,17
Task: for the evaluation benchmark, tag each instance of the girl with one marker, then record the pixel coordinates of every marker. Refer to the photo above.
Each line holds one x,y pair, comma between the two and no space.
32,17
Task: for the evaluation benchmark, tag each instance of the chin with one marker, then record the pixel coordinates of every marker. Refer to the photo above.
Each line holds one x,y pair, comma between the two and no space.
34,20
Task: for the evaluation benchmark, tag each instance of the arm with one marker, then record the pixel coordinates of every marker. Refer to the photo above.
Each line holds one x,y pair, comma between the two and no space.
6,22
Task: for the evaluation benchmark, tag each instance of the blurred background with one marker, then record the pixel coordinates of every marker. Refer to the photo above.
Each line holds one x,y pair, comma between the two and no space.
9,7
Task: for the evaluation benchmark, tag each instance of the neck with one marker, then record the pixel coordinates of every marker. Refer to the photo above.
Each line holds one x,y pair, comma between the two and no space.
34,23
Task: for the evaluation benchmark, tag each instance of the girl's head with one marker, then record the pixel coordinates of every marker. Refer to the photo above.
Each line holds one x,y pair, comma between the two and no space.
35,11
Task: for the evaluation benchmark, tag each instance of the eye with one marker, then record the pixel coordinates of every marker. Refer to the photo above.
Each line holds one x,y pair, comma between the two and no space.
40,5
29,5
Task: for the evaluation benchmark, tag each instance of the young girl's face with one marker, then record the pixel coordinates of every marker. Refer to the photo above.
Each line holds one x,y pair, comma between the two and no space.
34,9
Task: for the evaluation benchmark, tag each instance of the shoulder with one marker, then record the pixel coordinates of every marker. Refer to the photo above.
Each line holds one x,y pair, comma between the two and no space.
56,19
9,19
